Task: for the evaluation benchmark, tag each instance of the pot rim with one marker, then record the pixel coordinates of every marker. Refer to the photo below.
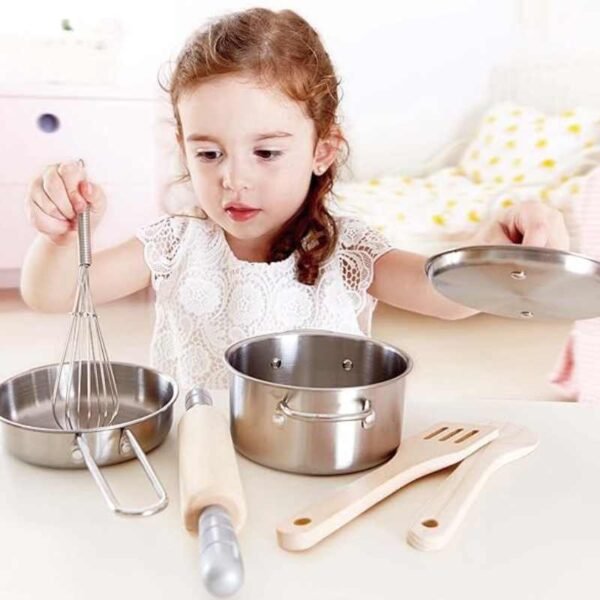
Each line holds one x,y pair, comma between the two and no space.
125,425
310,332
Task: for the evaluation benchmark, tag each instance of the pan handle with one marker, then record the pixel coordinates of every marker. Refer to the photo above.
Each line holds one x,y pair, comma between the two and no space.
107,491
366,415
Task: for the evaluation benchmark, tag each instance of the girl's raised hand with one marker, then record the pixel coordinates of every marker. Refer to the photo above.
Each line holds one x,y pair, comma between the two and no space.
56,197
530,223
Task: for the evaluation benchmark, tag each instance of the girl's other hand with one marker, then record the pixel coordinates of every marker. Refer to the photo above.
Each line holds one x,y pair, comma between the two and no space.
530,223
55,198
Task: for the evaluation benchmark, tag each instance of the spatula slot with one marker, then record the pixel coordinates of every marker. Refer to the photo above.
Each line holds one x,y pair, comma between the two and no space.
436,432
466,436
450,435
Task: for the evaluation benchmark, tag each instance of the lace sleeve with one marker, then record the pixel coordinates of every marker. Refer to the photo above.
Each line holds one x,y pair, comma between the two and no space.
359,248
162,242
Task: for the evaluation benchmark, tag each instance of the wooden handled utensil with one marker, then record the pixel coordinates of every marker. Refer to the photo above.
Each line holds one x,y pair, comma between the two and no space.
440,446
439,519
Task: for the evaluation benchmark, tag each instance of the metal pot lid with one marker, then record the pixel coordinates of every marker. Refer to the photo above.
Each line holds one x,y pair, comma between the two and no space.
522,282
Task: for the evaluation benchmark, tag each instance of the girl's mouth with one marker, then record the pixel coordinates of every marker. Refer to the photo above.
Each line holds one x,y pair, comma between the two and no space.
242,214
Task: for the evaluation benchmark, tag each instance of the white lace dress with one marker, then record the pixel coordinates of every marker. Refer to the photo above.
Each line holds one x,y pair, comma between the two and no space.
207,298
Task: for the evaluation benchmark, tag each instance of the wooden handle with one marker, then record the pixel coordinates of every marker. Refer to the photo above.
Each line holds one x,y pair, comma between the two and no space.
315,523
439,519
208,471
418,456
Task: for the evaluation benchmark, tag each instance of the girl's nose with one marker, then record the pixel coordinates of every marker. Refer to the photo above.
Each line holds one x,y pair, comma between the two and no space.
236,175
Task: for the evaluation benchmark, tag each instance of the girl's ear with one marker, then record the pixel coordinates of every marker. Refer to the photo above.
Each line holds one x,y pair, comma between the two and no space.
326,151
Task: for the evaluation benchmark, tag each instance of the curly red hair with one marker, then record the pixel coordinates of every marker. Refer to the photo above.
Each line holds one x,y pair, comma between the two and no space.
282,49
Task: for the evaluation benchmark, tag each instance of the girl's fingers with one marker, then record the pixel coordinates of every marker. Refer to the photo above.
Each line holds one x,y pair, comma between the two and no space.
71,174
45,223
492,233
56,197
40,198
542,226
51,186
558,236
90,194
536,234
529,224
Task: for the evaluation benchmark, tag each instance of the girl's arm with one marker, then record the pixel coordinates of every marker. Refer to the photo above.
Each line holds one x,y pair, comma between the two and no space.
49,274
400,280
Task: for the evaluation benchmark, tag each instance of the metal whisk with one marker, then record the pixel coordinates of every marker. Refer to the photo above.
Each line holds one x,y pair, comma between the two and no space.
85,392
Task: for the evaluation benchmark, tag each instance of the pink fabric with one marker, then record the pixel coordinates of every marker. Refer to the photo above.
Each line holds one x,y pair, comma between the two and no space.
577,372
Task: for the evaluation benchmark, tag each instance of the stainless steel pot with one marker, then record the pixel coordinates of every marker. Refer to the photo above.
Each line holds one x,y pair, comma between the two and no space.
316,402
145,415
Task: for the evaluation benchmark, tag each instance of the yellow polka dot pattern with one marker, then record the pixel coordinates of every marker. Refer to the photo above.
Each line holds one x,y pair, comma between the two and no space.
428,214
518,154
520,144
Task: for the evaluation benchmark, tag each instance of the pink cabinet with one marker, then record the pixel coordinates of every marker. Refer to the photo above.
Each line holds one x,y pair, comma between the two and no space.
115,132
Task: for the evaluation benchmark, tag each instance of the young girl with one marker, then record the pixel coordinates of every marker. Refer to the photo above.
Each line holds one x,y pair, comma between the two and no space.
255,101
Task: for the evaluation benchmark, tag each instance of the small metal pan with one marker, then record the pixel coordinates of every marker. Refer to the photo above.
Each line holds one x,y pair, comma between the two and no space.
522,282
145,415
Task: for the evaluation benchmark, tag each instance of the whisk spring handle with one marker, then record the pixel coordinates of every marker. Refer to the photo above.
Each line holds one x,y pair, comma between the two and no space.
83,231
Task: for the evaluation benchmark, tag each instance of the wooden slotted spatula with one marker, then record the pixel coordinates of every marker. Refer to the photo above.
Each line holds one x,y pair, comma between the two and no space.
439,519
442,445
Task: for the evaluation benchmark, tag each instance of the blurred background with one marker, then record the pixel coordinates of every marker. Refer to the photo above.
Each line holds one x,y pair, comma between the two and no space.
414,74
422,83
80,79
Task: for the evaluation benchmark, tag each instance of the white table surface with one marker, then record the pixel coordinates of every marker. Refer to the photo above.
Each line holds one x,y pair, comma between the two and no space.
533,533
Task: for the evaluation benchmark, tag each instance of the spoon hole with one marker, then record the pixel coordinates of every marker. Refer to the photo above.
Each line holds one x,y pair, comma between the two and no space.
430,523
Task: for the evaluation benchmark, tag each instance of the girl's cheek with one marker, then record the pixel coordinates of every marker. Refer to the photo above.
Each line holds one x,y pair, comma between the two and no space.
206,177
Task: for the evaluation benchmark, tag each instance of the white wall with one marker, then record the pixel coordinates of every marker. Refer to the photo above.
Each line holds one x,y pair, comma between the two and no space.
415,75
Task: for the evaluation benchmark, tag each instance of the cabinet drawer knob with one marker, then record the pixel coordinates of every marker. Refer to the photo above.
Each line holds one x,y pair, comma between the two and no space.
48,122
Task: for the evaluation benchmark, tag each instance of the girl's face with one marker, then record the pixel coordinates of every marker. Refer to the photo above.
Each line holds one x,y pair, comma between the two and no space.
250,151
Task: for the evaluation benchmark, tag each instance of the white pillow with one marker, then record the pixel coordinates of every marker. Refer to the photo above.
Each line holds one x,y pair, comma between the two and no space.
519,145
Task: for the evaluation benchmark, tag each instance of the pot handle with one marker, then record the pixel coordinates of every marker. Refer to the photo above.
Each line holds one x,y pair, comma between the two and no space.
107,492
366,415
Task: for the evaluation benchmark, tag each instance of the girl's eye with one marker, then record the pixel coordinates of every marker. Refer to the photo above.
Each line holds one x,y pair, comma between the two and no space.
208,155
268,154
213,155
